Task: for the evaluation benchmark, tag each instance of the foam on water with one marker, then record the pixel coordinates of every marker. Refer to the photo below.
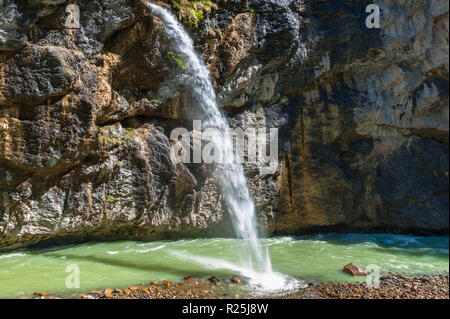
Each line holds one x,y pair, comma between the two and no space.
309,258
260,282
12,255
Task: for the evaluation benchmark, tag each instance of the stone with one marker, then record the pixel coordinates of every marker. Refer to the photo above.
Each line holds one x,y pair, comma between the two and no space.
41,294
108,293
214,279
237,280
354,270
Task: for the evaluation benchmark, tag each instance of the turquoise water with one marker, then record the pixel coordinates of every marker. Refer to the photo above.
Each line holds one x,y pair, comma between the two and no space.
118,264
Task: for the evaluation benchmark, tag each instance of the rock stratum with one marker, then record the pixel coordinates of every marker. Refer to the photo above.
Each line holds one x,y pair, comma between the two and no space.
86,113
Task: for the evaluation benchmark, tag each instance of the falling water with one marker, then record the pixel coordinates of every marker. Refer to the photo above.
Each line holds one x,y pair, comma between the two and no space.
255,257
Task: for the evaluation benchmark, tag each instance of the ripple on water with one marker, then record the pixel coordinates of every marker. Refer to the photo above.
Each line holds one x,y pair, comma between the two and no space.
306,257
12,255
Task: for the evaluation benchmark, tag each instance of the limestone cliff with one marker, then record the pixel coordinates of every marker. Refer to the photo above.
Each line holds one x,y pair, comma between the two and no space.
85,117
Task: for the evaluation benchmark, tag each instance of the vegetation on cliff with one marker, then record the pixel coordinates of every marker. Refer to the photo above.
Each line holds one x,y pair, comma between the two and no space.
192,12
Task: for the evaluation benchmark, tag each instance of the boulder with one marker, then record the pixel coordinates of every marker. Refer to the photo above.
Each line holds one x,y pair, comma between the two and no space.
354,270
214,279
237,280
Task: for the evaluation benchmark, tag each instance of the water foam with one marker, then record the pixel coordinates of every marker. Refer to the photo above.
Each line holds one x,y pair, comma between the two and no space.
261,282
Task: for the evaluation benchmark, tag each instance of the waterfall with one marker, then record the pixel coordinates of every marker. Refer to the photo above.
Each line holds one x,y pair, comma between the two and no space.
236,192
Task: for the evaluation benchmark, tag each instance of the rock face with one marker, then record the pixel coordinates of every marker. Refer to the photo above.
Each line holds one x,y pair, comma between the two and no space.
86,115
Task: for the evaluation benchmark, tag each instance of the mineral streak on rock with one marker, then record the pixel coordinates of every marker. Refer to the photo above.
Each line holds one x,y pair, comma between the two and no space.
86,114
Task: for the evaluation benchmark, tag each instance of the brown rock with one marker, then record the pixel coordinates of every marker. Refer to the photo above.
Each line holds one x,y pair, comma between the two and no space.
237,280
41,294
355,270
108,293
127,291
214,279
188,278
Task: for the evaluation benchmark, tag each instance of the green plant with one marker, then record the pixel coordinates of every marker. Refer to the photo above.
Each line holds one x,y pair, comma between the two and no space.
110,199
284,101
113,136
176,58
252,10
192,12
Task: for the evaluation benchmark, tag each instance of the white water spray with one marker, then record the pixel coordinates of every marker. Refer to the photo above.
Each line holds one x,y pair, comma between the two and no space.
255,257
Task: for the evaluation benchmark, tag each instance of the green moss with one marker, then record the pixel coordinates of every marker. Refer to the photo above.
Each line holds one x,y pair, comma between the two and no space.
192,12
112,136
110,199
284,101
129,136
176,58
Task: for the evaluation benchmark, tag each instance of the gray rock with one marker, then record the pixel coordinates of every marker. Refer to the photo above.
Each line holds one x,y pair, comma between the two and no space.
86,114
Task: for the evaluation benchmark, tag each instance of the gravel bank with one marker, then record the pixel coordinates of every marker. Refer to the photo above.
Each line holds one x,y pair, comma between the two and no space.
392,286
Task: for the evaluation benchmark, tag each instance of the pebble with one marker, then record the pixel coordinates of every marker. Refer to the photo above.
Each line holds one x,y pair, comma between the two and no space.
392,286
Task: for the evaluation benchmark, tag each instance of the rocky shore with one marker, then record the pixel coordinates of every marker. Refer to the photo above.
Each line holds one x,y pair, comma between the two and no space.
392,286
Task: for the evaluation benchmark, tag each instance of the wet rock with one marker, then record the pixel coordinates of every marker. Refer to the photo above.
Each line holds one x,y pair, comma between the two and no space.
354,270
237,280
41,294
13,23
85,118
108,293
38,73
214,279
